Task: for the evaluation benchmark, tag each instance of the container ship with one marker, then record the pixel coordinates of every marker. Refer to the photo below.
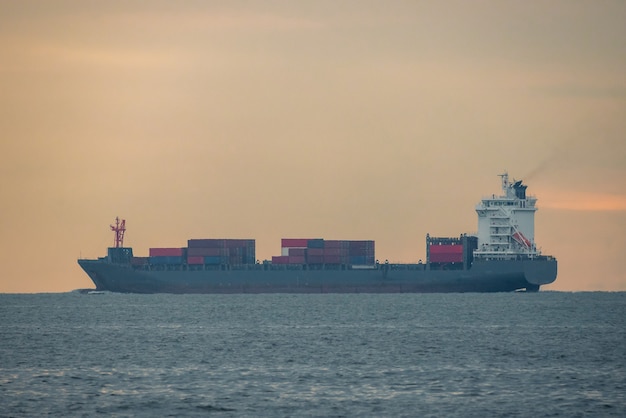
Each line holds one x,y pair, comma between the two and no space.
501,257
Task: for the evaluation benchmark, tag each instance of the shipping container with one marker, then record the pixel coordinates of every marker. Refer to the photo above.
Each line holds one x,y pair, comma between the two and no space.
357,251
445,253
296,259
207,251
446,258
315,259
332,259
335,251
166,260
360,248
315,243
333,243
166,252
248,256
205,243
297,252
214,259
235,243
231,251
282,259
359,260
446,249
356,245
320,251
294,242
195,260
315,251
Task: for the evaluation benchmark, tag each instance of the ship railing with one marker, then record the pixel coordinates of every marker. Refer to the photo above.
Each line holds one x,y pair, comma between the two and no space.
507,256
196,267
410,266
278,267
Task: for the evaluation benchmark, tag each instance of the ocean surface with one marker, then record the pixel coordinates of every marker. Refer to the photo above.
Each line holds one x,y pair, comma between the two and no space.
441,355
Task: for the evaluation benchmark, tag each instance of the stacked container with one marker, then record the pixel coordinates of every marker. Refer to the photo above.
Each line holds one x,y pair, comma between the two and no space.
221,251
444,250
320,251
166,255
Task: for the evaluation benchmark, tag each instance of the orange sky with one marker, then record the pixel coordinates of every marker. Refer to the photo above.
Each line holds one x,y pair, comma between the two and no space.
343,120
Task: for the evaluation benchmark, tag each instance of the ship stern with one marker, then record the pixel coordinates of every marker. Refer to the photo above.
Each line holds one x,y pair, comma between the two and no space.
540,272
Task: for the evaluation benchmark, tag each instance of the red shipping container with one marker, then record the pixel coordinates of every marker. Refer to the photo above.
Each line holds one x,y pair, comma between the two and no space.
294,242
166,252
315,251
446,258
446,253
280,259
446,249
296,259
195,260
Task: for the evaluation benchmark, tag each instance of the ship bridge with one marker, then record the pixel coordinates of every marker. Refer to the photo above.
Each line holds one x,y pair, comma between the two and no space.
506,223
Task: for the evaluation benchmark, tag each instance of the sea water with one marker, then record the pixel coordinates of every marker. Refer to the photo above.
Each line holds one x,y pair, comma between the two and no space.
529,355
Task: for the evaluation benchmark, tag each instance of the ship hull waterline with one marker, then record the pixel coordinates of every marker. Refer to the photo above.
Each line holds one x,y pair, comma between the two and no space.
483,276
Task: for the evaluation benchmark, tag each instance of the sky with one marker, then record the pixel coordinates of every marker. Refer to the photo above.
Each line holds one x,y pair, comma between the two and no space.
382,120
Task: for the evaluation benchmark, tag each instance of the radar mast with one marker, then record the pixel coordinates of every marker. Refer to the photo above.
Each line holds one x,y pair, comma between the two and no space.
119,228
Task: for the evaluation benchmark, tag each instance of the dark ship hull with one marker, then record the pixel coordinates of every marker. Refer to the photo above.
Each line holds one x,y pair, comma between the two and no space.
483,276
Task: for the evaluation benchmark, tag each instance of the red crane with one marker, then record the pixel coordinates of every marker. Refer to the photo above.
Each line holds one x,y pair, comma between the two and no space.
119,228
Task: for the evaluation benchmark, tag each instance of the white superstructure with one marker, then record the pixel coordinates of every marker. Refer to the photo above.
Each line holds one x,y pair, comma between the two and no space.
506,223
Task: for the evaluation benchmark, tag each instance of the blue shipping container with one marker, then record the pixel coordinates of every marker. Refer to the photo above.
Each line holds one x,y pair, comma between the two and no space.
213,259
166,260
358,259
315,243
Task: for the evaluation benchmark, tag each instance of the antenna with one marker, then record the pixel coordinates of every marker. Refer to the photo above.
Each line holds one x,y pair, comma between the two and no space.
505,181
119,228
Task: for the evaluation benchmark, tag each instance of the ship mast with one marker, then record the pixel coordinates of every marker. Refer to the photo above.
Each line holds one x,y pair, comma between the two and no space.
119,228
